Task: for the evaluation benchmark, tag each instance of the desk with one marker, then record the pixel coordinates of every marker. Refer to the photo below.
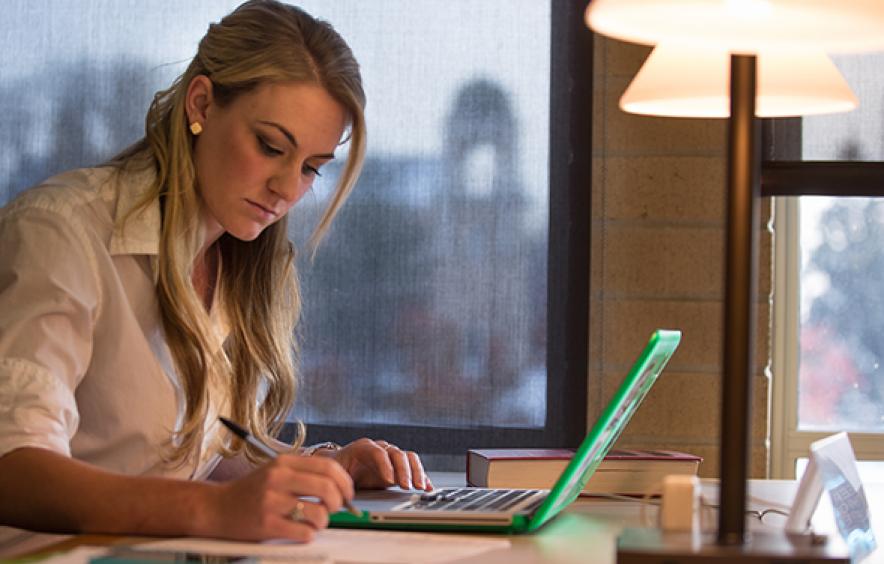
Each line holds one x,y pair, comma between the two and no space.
587,530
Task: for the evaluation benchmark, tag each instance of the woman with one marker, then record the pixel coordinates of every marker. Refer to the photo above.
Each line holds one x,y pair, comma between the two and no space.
141,300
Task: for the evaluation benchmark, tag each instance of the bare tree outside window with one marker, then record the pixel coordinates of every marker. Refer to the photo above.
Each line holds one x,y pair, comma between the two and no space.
841,377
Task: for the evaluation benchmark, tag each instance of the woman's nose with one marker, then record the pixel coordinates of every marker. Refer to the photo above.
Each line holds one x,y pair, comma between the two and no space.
289,187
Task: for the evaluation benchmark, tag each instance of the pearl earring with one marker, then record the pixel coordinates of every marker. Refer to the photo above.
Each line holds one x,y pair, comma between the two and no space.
196,128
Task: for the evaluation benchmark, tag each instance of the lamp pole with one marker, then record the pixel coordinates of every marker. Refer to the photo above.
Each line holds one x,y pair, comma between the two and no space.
644,546
741,280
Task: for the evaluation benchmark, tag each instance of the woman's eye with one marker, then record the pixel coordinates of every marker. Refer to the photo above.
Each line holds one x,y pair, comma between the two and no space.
267,148
311,171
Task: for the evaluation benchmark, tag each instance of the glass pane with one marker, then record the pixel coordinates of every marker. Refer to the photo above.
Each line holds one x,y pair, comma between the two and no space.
841,378
856,135
427,302
76,78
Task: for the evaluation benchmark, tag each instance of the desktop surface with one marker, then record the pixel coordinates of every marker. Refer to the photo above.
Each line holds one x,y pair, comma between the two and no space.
587,530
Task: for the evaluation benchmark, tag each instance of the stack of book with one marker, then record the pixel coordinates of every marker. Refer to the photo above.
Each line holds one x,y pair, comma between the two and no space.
624,472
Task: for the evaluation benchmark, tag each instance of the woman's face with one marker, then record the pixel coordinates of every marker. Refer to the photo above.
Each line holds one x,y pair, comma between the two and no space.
257,156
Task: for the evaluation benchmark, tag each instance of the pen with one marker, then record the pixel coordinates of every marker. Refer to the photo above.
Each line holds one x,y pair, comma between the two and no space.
247,437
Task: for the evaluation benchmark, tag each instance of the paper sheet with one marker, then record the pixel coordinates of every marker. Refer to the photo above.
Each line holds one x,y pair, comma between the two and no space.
348,546
16,542
80,555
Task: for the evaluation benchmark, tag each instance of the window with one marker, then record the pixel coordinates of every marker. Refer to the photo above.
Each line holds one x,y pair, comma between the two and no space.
448,309
448,306
828,176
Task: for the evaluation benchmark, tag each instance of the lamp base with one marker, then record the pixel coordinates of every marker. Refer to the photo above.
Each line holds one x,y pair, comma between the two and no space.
646,546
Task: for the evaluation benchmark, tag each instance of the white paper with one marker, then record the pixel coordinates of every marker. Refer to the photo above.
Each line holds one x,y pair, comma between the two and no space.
269,551
79,555
347,546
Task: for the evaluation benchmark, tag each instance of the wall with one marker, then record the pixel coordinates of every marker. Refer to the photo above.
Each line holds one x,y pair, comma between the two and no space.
657,261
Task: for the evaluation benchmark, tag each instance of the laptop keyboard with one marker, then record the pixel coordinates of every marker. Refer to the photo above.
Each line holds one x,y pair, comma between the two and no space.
474,500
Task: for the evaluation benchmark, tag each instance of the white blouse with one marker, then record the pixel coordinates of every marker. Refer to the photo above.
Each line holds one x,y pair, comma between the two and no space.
84,367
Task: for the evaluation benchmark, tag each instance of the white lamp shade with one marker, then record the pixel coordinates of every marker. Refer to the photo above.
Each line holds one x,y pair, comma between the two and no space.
744,26
680,81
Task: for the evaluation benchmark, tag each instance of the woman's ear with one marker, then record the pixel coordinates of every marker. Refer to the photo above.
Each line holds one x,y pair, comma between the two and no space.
198,99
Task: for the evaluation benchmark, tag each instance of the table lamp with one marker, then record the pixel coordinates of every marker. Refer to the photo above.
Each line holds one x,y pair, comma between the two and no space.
680,81
749,31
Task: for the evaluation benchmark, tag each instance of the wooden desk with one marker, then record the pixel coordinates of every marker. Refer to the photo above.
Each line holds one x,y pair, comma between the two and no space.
587,530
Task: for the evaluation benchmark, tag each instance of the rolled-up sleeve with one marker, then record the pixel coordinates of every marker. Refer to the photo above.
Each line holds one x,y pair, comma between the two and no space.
49,298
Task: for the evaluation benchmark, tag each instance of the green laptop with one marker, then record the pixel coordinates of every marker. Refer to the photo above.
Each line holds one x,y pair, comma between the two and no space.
516,511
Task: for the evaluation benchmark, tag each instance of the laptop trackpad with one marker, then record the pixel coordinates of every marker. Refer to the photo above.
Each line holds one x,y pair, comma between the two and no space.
381,500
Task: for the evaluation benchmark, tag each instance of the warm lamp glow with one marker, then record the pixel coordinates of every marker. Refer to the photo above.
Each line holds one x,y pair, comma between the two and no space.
744,26
680,81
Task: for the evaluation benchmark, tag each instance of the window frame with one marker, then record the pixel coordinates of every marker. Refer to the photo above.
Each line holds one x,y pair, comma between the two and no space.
784,177
568,270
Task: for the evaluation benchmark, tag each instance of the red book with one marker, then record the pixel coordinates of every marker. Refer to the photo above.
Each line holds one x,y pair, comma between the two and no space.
625,472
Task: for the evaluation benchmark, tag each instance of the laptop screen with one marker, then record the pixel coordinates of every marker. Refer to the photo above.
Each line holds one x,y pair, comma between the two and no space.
610,424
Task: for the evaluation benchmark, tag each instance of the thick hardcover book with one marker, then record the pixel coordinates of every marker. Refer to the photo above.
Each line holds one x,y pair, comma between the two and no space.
625,472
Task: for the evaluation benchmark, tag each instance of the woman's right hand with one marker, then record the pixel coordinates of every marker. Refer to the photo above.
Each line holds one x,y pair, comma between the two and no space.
268,502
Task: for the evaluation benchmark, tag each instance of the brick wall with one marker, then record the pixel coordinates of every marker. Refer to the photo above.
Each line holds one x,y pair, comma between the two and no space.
658,261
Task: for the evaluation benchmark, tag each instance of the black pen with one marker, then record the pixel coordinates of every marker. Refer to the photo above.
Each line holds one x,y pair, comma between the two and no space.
247,437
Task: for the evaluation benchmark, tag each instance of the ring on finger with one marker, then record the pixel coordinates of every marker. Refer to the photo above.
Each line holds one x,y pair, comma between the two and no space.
297,514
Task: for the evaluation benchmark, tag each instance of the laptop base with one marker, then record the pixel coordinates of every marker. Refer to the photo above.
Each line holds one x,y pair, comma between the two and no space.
646,546
519,524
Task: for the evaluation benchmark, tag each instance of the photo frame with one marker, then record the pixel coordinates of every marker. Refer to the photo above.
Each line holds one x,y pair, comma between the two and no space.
832,467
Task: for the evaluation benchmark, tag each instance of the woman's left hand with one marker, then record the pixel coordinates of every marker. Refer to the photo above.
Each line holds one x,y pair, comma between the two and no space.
379,464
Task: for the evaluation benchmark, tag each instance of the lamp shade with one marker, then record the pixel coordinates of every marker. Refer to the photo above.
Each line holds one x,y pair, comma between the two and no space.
681,81
744,26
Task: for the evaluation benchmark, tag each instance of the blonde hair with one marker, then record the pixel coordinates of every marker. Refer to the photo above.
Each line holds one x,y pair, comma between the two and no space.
262,41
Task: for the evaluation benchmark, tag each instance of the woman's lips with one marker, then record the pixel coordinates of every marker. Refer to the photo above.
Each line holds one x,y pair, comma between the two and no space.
266,212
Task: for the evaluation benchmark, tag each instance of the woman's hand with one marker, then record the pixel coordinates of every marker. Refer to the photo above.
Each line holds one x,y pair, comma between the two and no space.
268,502
379,464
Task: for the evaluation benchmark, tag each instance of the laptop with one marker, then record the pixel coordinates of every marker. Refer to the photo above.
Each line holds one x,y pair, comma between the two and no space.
516,511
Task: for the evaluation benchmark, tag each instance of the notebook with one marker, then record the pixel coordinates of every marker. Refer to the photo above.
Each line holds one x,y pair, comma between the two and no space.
520,511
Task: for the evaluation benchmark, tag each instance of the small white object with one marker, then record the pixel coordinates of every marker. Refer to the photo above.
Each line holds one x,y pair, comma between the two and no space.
810,489
833,468
680,510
